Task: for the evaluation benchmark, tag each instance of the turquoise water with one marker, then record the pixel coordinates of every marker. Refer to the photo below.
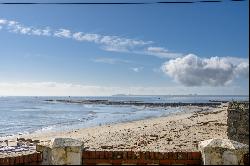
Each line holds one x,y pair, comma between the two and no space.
20,115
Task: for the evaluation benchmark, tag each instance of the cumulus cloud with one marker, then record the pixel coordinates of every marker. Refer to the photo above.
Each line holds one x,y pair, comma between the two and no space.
192,70
242,69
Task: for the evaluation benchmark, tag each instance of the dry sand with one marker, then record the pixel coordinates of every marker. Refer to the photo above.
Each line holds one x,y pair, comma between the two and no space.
180,132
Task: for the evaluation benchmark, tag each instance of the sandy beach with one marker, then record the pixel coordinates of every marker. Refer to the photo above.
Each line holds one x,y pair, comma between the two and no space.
178,132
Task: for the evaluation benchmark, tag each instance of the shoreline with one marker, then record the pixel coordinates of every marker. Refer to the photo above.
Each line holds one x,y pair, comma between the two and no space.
179,110
175,132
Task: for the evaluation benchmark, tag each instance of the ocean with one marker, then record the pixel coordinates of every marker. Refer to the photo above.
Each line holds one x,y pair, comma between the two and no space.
23,115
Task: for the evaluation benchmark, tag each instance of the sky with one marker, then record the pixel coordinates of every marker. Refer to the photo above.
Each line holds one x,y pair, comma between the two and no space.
99,50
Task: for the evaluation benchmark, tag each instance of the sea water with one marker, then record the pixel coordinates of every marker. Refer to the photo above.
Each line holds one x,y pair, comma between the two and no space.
21,115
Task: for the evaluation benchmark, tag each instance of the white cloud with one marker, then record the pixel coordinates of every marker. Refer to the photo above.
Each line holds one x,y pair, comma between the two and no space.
161,52
137,69
110,60
115,43
111,43
242,69
64,33
192,70
16,27
89,37
3,21
68,89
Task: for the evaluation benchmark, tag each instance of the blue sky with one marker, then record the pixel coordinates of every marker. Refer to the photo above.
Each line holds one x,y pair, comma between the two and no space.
131,49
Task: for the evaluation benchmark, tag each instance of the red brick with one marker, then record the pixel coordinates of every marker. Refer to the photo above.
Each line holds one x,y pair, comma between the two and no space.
12,161
89,161
110,155
181,162
103,161
119,155
106,155
161,155
182,156
147,155
152,155
33,157
114,153
133,155
165,162
167,155
92,155
117,162
194,155
6,161
141,162
21,159
175,155
34,163
129,162
193,162
85,154
97,154
1,161
124,155
156,157
102,154
39,157
17,160
154,162
130,155
147,162
26,159
142,155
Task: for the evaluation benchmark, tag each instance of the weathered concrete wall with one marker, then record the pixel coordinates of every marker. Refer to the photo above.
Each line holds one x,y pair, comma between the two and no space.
223,152
238,122
61,151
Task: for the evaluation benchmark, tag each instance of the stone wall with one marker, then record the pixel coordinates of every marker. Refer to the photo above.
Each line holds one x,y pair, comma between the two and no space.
238,122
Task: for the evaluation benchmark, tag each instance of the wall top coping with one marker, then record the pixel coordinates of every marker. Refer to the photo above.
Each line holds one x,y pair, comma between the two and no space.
223,143
60,143
65,142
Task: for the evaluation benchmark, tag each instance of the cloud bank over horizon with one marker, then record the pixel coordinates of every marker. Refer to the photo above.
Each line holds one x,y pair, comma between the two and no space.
69,89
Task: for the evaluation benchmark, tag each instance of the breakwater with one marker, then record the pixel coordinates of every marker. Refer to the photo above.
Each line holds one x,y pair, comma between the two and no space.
137,103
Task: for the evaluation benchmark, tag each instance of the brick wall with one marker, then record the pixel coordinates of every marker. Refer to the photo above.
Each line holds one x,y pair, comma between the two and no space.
140,158
30,159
